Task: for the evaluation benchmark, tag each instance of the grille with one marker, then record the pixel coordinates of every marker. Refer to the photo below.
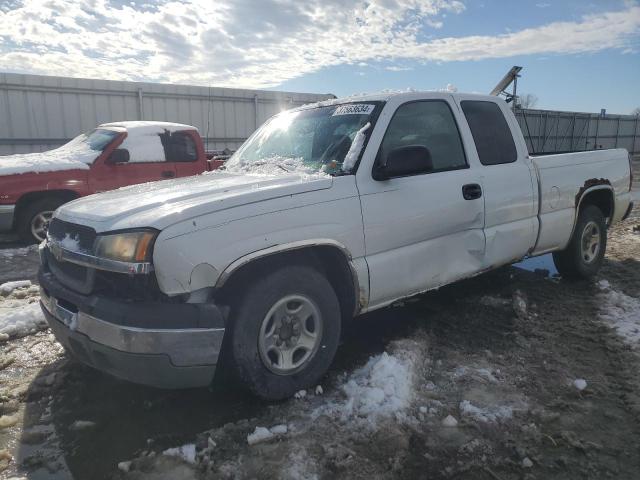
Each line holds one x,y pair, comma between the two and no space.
75,277
85,236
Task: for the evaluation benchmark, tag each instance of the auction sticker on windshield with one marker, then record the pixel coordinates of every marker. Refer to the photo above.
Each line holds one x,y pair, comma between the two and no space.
354,109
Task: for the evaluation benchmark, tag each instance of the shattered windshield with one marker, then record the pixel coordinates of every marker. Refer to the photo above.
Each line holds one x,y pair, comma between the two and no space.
318,140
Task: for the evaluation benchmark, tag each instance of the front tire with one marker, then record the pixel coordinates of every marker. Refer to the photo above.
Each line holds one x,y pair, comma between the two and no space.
35,217
285,330
584,255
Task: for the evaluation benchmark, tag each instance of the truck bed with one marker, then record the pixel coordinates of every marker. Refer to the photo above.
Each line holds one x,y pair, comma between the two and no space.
561,186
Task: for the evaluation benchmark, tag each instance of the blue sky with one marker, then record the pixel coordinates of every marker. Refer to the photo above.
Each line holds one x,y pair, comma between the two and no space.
577,55
577,82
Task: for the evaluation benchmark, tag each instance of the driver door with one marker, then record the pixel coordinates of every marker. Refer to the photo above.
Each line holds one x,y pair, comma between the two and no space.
422,231
147,163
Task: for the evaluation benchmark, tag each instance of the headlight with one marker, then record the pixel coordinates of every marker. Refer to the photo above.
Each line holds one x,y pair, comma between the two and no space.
133,246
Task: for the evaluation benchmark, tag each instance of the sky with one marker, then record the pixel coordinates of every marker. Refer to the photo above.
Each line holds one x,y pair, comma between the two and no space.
576,54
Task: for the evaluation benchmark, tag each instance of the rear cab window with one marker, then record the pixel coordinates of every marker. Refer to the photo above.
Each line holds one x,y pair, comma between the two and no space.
179,146
490,131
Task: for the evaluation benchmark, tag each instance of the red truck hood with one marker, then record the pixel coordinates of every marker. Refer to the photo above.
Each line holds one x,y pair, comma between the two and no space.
160,204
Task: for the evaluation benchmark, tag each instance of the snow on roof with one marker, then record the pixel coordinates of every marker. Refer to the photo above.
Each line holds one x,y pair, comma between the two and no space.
144,127
386,95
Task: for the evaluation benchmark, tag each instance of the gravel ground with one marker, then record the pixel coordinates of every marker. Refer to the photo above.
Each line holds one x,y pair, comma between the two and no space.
503,355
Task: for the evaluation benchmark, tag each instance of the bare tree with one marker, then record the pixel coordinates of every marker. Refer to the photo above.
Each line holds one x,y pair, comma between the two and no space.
636,112
528,100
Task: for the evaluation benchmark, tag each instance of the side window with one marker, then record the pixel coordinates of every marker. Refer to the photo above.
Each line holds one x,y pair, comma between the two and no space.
179,147
430,124
491,133
143,148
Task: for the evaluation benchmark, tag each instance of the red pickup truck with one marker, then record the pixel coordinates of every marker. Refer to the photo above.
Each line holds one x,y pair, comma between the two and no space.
113,155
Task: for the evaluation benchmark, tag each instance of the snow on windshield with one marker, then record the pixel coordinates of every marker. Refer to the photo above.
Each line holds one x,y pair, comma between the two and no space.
308,141
78,154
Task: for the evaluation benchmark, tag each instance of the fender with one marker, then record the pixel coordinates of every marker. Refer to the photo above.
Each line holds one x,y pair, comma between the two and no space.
361,298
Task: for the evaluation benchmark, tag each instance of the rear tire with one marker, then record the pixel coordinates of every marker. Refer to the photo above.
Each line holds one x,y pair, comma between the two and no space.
285,329
34,219
584,255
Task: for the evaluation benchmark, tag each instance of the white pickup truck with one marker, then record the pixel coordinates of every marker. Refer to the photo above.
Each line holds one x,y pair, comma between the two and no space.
326,212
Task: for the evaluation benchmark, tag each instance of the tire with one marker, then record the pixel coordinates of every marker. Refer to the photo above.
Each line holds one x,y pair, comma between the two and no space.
584,255
30,224
261,365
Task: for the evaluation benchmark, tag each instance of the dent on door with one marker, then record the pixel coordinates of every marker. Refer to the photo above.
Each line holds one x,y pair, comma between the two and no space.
422,234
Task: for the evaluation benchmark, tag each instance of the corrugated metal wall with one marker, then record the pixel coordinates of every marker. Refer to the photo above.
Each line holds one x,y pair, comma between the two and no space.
39,112
553,131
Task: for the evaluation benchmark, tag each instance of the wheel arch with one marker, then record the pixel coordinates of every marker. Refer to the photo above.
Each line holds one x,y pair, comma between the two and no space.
601,196
329,257
30,197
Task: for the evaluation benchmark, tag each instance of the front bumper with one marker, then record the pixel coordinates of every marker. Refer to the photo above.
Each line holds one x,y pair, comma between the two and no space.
6,217
160,345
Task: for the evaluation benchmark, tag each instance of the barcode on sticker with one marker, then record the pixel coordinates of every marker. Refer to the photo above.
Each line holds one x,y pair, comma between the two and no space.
354,109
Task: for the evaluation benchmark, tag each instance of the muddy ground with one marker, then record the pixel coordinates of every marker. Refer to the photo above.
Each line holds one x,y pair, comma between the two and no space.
500,354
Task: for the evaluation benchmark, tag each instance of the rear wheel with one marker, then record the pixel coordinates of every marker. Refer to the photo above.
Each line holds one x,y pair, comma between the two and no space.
285,329
35,217
584,255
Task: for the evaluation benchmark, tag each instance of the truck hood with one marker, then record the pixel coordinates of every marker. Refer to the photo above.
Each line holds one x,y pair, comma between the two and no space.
72,156
160,204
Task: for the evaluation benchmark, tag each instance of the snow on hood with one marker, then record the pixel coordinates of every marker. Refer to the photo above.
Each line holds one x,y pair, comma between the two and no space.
75,155
159,204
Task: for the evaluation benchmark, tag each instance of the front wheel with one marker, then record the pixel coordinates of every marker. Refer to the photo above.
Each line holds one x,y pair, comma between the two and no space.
584,255
34,219
285,330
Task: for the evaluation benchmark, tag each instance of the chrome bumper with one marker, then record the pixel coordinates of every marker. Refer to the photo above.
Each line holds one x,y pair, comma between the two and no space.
6,217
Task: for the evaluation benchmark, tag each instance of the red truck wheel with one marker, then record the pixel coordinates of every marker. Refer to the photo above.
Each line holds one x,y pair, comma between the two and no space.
34,219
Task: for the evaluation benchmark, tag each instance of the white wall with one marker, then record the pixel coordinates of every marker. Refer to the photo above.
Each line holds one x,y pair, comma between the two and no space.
40,113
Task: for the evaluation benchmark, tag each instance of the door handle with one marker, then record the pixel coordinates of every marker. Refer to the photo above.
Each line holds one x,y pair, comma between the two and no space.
168,174
471,191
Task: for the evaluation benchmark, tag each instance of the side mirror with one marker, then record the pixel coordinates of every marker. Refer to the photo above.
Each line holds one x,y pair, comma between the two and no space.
119,155
404,161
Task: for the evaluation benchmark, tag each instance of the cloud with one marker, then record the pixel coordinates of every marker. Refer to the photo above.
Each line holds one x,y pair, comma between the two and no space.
245,43
395,68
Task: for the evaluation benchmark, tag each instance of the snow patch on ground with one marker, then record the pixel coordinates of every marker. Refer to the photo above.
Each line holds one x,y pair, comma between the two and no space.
262,434
486,414
185,452
299,466
620,311
580,383
384,387
8,287
20,312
